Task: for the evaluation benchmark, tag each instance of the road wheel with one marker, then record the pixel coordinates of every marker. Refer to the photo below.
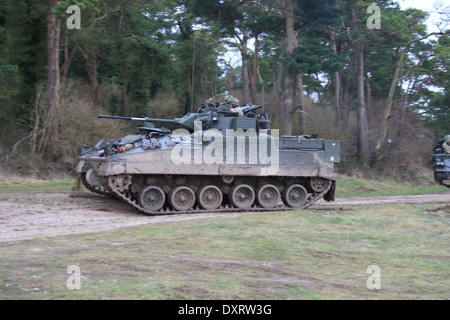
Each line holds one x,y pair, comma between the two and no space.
294,196
209,197
151,198
182,198
268,196
242,196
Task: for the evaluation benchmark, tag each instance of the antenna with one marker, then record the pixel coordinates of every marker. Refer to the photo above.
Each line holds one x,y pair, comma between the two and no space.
193,75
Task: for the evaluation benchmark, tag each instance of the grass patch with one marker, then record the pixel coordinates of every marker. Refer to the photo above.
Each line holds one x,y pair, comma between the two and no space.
313,254
354,187
24,185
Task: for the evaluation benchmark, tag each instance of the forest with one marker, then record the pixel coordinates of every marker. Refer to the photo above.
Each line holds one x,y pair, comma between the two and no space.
368,73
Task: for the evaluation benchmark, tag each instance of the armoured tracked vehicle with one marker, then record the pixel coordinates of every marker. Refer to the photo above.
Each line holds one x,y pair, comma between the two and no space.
217,159
441,161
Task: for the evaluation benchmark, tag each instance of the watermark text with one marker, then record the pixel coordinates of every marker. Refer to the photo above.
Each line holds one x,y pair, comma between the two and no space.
374,280
236,147
74,280
74,21
374,21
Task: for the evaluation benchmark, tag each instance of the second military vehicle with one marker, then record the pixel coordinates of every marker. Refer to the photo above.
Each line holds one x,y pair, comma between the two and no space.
441,161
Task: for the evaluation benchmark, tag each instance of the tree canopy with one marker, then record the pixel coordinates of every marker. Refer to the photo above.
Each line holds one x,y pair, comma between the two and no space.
311,60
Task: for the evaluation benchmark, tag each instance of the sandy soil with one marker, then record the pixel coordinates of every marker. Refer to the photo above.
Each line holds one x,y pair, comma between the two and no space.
38,214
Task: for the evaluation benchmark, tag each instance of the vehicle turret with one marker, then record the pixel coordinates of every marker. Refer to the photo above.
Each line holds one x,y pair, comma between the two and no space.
218,116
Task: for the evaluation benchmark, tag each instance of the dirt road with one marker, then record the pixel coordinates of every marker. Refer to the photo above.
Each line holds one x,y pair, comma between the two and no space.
38,214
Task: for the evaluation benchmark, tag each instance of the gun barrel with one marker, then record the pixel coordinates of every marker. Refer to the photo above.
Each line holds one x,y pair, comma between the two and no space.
138,119
251,108
122,118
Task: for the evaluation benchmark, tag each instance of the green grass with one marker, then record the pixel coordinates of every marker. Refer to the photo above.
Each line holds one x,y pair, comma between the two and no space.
353,187
313,254
36,185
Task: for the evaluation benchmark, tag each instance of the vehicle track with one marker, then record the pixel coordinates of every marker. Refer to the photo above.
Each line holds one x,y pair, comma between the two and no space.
41,214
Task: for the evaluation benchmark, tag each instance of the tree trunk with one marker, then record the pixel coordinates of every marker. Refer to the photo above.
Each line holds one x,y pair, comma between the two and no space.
245,69
363,130
92,72
288,92
337,84
125,70
204,87
368,95
346,101
276,78
387,111
53,76
254,74
300,104
338,99
362,142
288,101
67,61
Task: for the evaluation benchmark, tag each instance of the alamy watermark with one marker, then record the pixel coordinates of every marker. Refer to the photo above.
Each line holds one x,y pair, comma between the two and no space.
74,280
374,280
74,21
374,21
262,149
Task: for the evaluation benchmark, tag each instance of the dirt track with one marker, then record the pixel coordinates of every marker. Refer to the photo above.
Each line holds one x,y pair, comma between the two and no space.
38,214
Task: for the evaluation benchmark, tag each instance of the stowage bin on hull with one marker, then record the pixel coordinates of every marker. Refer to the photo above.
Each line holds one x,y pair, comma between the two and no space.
221,158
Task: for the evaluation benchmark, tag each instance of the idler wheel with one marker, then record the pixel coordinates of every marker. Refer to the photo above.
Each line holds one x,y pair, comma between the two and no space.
209,197
182,198
92,178
294,196
151,198
268,196
242,196
319,184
